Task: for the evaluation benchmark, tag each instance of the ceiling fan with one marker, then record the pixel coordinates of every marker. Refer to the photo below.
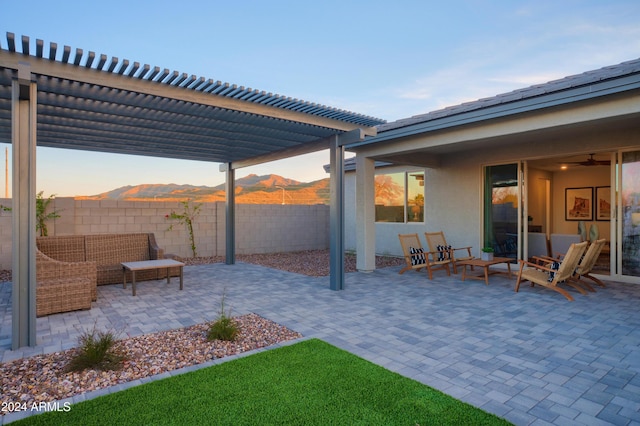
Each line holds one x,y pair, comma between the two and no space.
591,162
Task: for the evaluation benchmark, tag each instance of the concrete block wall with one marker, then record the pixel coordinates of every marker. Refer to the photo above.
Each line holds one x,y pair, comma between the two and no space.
260,228
176,240
276,228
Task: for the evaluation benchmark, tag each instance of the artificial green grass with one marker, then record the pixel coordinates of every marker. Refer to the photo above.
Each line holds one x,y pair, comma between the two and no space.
307,383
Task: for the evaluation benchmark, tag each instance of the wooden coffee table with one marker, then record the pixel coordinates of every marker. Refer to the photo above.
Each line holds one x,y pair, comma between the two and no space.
484,264
145,265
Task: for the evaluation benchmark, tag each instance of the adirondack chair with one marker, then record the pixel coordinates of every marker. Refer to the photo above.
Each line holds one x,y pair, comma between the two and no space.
549,277
417,258
438,244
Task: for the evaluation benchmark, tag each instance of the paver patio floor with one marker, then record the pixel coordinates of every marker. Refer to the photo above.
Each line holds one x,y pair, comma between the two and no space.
530,357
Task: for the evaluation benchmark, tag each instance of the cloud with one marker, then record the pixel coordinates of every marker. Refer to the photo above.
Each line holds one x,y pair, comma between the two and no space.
494,65
451,86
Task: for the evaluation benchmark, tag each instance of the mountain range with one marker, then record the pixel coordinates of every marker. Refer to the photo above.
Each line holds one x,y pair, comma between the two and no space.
251,189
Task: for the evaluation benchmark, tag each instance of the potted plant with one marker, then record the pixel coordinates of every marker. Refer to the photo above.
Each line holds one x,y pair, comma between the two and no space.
487,253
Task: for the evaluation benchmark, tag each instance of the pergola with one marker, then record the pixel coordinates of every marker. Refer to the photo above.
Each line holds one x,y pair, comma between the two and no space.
64,98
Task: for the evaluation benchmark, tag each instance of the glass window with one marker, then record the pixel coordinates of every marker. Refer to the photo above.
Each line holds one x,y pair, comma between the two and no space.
415,197
389,197
399,197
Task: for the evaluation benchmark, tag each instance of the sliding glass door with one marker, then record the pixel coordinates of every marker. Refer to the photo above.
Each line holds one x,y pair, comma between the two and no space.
502,212
629,214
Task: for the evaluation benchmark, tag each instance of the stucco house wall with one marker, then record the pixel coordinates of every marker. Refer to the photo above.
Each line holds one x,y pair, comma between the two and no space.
453,192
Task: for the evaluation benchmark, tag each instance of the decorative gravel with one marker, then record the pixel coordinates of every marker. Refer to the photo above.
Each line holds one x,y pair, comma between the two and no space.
314,263
42,378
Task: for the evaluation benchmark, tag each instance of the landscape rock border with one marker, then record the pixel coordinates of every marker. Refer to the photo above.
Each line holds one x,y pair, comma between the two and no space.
42,378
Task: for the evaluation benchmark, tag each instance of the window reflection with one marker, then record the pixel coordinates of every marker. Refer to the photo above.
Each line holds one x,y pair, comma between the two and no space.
630,191
415,197
399,197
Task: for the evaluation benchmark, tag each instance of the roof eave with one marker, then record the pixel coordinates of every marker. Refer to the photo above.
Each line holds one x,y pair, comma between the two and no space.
576,94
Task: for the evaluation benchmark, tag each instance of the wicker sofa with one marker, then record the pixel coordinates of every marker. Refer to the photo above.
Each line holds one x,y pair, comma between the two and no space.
108,251
63,286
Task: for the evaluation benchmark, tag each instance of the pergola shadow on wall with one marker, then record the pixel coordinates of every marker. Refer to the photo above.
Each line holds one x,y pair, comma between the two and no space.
64,98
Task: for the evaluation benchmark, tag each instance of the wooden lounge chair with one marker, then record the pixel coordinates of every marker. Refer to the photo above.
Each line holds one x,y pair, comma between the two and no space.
417,258
587,262
559,243
538,245
540,274
437,241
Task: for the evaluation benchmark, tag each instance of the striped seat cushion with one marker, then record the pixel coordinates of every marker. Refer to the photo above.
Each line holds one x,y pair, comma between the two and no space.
417,256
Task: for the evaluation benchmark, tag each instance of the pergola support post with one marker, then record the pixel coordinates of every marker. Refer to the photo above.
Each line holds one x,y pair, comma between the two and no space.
230,215
23,127
336,214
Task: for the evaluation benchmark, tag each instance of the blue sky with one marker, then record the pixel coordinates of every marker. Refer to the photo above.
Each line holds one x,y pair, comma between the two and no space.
386,59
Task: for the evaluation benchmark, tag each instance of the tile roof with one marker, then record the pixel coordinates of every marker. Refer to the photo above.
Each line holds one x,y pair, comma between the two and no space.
570,82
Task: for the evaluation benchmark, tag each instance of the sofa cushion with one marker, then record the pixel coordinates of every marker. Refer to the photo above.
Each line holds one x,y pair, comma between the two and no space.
65,248
113,249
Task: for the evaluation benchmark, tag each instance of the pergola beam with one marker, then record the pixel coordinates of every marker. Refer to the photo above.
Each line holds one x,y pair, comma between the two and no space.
114,108
307,148
94,77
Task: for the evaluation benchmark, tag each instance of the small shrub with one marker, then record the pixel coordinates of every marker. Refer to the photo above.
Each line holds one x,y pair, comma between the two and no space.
97,351
225,327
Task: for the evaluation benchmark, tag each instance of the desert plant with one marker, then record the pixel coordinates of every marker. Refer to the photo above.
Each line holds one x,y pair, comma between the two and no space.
487,249
97,351
188,215
225,327
42,205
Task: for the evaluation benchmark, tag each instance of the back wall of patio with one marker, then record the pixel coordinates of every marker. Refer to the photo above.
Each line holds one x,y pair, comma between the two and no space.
260,228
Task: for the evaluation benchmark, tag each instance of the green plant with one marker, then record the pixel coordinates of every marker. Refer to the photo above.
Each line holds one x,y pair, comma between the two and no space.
97,351
188,215
487,249
225,327
42,205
